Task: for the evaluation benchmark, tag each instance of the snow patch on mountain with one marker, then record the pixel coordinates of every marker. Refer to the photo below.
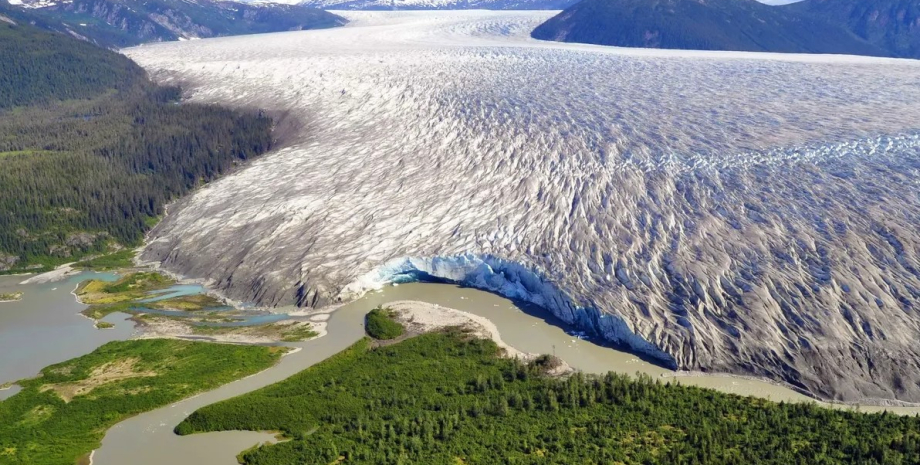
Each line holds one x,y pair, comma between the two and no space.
35,4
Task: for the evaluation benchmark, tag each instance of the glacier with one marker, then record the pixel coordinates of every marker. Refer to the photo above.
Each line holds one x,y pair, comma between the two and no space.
435,4
728,212
511,280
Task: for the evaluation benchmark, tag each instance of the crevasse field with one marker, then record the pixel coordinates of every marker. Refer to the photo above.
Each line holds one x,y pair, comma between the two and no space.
746,213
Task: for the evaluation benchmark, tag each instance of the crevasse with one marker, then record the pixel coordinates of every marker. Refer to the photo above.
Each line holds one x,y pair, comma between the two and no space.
512,280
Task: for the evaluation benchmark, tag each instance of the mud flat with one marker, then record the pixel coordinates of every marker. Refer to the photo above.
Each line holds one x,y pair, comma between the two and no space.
10,297
58,274
291,330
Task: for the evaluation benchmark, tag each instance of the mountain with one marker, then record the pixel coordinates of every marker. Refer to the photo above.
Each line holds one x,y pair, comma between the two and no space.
893,25
702,25
124,23
92,150
439,4
37,66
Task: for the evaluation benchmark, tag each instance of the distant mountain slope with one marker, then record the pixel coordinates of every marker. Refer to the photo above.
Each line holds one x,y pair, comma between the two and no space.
37,66
440,4
700,24
91,150
890,24
123,23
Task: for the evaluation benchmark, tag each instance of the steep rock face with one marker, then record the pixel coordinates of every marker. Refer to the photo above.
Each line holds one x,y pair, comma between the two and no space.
739,212
7,261
121,23
699,25
893,25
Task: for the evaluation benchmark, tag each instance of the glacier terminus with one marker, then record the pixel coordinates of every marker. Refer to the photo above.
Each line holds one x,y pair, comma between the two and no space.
730,212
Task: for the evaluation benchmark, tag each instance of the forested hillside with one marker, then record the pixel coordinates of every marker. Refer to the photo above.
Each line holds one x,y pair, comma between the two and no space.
445,398
743,25
890,24
36,66
124,23
91,150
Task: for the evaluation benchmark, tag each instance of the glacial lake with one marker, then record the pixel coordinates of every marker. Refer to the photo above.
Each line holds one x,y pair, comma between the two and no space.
148,438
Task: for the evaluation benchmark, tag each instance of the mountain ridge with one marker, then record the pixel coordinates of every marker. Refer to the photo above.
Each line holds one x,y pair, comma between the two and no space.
890,24
734,25
125,23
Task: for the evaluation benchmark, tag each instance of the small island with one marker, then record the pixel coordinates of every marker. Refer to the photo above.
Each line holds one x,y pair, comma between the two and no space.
10,297
198,316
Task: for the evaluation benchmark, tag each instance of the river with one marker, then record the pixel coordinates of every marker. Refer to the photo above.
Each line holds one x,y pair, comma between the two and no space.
46,327
148,438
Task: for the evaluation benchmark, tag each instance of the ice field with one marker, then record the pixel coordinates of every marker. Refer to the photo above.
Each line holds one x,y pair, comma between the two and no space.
746,213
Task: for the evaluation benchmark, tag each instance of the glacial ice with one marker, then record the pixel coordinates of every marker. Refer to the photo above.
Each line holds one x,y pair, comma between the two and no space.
739,212
511,280
435,4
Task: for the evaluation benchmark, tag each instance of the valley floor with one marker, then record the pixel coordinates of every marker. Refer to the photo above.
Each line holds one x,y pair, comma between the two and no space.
451,396
419,318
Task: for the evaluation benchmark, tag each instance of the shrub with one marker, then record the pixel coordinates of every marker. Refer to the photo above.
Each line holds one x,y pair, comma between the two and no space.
380,324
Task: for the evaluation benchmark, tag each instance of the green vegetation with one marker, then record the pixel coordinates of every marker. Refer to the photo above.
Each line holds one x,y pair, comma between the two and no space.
299,333
698,25
117,161
131,286
128,293
445,398
11,297
38,67
112,261
283,331
124,23
63,414
188,303
379,324
889,24
123,295
93,151
98,312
